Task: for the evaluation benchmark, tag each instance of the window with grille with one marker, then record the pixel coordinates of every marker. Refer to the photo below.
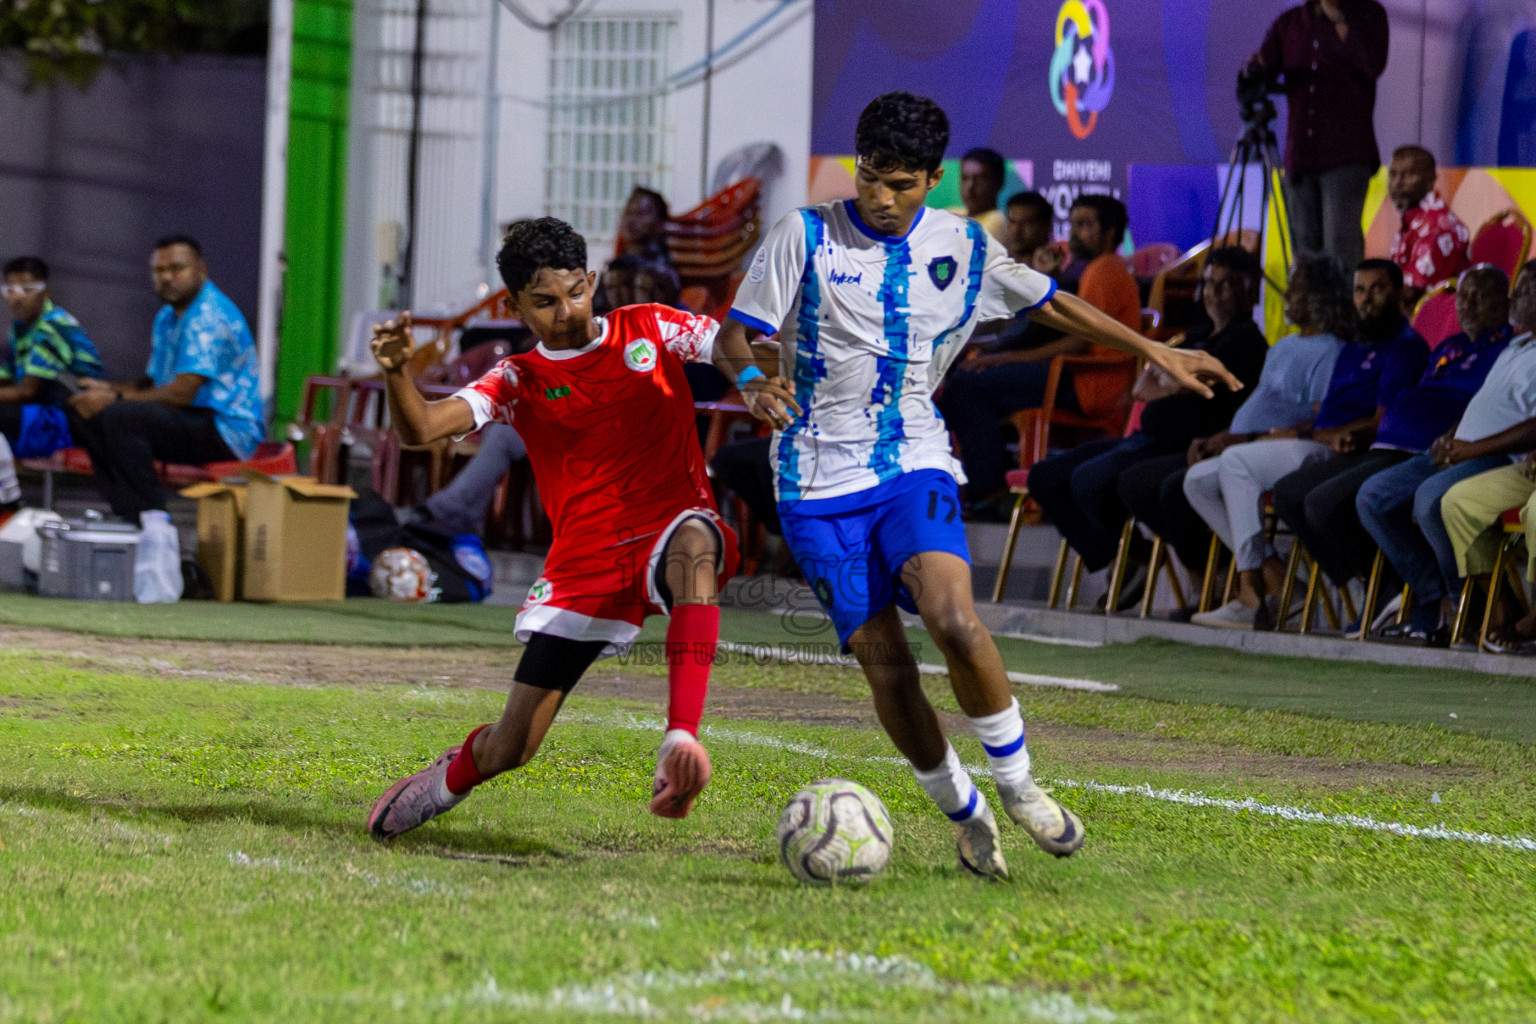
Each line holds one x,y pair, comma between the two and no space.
609,119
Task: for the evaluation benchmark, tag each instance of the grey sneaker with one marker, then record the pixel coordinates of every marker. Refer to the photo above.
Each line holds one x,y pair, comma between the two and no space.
414,800
1053,828
980,847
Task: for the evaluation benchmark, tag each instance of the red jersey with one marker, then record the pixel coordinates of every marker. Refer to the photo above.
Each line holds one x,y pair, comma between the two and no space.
609,427
1431,245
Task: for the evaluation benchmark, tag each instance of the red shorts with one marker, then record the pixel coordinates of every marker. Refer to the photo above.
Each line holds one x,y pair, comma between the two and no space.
608,599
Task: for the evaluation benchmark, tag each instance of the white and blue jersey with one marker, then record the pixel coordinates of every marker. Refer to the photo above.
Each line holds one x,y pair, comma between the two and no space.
868,325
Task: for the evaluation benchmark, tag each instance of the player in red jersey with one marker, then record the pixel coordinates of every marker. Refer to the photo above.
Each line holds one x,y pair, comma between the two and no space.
604,407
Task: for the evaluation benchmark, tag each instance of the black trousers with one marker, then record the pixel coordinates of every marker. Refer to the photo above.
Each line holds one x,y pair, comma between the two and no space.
1077,491
1154,493
126,438
743,467
1317,502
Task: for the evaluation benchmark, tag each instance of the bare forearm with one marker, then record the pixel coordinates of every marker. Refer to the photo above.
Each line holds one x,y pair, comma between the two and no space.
1071,315
1519,438
419,421
733,349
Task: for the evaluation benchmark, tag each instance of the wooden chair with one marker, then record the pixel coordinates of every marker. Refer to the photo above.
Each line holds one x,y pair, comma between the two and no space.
1504,240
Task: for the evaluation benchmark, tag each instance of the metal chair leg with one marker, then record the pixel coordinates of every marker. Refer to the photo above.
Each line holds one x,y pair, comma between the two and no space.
1001,585
1463,608
1117,571
1208,583
1154,563
1077,582
1372,591
1292,564
1330,615
1174,584
1493,594
1058,575
1231,587
1348,603
1406,605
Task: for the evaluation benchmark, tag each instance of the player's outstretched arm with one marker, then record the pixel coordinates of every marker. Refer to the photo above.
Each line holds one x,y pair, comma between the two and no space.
770,399
415,419
1194,369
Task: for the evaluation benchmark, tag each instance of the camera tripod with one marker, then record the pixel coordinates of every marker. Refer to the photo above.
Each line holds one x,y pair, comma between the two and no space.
1257,145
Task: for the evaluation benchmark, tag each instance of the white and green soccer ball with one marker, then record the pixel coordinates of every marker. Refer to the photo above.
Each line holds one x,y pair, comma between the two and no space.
834,832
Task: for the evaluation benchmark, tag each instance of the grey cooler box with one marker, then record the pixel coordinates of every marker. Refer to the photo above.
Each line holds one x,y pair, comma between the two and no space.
88,560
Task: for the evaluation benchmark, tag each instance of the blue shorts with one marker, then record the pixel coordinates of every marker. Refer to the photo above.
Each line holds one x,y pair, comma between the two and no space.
851,548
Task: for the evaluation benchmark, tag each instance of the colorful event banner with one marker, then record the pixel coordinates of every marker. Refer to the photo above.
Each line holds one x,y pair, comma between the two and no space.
1071,91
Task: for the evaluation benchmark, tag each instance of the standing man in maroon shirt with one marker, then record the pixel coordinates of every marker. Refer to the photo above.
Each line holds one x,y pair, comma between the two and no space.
1327,55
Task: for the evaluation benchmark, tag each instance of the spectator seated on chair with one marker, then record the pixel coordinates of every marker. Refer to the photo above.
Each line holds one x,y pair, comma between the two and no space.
1432,243
982,172
462,505
1461,415
1027,237
1077,488
198,403
643,272
48,353
984,389
1456,504
1221,484
1317,500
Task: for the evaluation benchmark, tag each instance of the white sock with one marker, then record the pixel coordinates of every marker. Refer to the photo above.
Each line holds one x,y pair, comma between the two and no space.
1002,735
951,788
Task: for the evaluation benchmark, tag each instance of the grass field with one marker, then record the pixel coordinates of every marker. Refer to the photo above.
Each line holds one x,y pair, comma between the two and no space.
185,843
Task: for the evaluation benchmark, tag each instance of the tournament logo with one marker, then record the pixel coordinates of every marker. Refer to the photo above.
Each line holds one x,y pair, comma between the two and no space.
1083,66
541,591
941,271
640,356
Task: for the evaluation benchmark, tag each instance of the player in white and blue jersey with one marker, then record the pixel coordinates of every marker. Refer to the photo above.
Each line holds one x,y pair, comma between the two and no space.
872,299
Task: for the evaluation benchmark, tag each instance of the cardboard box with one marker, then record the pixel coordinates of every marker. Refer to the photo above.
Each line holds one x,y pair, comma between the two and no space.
295,546
220,533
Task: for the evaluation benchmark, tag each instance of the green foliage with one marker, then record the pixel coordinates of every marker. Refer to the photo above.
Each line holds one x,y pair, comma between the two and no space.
71,39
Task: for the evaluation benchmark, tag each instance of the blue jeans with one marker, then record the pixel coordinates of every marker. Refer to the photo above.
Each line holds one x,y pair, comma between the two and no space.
1400,509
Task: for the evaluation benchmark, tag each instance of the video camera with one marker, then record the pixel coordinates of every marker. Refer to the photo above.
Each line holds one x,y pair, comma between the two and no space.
1255,85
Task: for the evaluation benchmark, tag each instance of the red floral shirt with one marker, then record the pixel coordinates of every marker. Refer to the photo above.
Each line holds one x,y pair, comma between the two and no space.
1431,246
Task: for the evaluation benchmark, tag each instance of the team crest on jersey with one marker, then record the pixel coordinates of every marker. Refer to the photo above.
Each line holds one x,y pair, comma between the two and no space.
541,591
640,356
941,271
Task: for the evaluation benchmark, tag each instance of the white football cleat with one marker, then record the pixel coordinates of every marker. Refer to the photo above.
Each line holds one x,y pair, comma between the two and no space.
979,846
1053,828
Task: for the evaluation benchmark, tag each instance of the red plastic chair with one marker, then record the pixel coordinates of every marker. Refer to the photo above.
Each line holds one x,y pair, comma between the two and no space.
1435,315
1504,240
1149,260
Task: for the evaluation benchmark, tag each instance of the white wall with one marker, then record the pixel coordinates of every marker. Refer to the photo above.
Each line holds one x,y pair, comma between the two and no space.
761,91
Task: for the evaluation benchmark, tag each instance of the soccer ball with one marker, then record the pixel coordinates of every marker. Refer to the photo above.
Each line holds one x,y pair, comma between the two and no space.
400,574
835,831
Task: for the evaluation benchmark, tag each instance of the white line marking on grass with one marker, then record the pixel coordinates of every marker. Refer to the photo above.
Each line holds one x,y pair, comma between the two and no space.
419,886
770,652
1298,815
1055,641
647,994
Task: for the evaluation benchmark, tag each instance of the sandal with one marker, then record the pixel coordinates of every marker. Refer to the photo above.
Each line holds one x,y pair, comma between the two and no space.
1508,639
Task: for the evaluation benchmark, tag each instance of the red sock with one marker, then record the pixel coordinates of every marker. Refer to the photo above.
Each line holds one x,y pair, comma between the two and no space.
463,776
692,634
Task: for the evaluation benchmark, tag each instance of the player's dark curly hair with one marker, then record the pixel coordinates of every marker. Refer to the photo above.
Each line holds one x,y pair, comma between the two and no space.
1330,293
533,245
900,131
